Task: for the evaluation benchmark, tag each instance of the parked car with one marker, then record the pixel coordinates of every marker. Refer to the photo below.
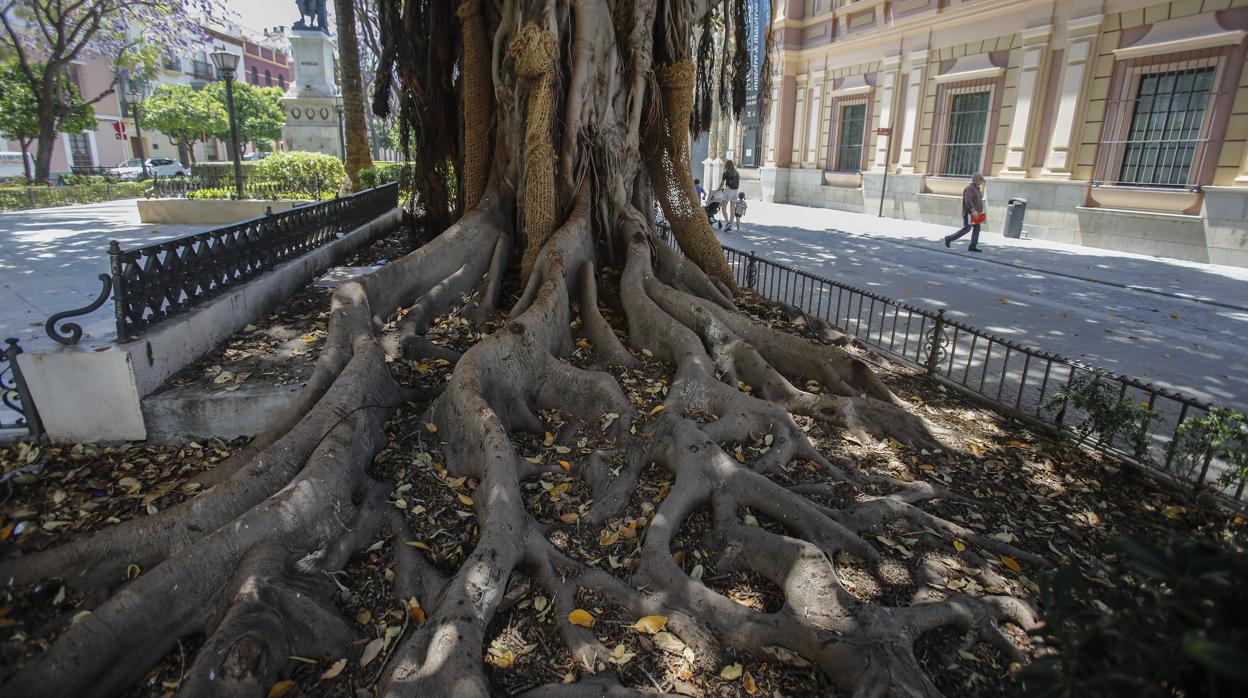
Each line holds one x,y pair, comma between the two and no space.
257,156
156,167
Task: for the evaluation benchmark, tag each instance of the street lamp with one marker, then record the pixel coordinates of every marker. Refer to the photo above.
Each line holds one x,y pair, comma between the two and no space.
226,63
342,138
133,96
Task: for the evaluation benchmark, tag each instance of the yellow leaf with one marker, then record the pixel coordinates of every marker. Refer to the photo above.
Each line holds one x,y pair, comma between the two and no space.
6,532
650,624
550,439
565,465
732,672
1017,444
133,571
423,368
304,660
571,517
1176,316
558,490
582,618
431,426
457,483
678,557
334,670
465,500
976,449
747,682
1172,512
927,466
503,659
1011,563
657,410
419,544
415,612
280,688
607,538
959,545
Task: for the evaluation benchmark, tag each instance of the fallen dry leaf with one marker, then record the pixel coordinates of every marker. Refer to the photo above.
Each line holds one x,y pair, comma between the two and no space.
732,672
280,688
650,624
581,617
334,670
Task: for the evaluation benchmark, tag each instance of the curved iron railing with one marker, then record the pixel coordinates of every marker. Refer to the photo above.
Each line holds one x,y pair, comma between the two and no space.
14,394
1012,378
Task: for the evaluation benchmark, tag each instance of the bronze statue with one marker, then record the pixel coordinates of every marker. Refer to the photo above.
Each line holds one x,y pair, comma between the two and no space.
314,9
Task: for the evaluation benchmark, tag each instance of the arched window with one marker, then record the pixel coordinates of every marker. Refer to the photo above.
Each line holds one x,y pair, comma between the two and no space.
268,79
281,81
255,76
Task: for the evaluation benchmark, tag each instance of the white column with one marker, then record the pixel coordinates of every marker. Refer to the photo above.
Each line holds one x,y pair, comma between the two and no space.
914,96
773,128
890,72
1035,44
1059,160
95,149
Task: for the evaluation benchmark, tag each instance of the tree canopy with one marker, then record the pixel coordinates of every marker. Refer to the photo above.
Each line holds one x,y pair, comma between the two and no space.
19,109
258,111
184,114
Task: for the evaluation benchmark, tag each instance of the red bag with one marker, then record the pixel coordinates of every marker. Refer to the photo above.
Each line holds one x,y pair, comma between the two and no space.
978,218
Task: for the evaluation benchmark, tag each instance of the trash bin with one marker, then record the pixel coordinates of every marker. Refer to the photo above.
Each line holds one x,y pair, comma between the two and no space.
1014,212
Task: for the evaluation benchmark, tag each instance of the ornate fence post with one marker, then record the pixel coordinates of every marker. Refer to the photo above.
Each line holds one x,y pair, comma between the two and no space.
30,194
751,270
119,289
936,343
15,385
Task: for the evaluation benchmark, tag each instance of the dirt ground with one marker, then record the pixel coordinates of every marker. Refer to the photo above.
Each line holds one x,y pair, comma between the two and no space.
1021,487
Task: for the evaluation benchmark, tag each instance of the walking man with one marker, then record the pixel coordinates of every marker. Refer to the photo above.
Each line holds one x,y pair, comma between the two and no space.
972,212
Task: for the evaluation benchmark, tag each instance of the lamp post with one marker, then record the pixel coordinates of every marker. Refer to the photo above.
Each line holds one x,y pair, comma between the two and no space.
226,63
133,96
342,137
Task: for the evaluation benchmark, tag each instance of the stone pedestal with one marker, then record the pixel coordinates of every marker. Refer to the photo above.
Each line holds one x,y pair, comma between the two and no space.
311,115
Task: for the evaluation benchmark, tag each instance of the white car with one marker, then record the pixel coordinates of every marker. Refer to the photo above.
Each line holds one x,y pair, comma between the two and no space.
156,167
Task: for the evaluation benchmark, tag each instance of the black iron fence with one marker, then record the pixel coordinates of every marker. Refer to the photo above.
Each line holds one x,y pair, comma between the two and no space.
152,283
36,197
18,411
223,187
1013,379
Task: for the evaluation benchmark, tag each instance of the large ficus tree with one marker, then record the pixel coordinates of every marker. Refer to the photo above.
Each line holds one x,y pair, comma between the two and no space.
133,35
576,118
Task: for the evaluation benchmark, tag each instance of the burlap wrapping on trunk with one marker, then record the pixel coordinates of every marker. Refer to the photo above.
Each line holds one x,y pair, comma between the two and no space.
478,103
667,160
535,50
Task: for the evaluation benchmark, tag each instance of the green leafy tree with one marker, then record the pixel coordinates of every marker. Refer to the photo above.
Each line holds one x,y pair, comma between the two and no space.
19,109
258,111
46,37
184,114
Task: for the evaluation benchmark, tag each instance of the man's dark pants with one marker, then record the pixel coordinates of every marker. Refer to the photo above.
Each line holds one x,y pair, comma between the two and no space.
972,228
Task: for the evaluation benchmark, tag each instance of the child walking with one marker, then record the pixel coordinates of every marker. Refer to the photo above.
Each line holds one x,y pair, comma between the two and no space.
739,207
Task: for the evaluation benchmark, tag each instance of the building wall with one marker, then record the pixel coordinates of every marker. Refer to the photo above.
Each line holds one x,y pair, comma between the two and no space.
1062,77
96,76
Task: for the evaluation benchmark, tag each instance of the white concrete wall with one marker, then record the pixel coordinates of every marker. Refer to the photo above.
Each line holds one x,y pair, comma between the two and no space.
209,211
87,396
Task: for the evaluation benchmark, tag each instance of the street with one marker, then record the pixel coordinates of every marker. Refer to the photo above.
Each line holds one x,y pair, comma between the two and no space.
1181,325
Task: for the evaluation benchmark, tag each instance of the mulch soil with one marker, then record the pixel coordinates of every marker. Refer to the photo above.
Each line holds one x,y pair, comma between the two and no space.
1044,497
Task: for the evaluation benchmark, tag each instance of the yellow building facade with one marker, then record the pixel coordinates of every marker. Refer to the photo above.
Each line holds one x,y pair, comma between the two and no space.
1123,123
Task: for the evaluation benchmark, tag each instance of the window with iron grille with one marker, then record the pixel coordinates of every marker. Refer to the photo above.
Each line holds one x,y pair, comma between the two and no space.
853,129
968,123
80,149
1165,128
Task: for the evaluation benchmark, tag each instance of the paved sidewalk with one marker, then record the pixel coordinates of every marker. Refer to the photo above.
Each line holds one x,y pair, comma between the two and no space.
49,261
1182,325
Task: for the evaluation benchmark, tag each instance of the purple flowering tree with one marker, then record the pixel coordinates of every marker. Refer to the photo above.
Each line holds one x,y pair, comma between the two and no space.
133,34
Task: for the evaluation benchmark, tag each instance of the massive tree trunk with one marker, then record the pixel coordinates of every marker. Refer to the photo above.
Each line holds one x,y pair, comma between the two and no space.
357,156
590,107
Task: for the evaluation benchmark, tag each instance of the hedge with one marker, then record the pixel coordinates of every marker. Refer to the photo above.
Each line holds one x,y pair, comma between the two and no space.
21,198
220,169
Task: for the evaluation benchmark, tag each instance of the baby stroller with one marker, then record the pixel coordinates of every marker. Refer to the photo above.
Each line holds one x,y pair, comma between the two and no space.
712,209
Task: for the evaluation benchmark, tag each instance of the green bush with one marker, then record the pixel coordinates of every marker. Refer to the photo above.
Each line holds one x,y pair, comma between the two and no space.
1108,413
302,166
1222,434
1171,625
384,173
19,198
76,179
220,169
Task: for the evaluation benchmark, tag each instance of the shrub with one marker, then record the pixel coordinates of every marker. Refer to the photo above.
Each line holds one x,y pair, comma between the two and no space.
302,166
76,179
384,173
1221,434
220,169
1108,413
19,198
1172,625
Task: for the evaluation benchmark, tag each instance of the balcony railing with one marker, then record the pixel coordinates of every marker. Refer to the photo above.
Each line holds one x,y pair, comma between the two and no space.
203,70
